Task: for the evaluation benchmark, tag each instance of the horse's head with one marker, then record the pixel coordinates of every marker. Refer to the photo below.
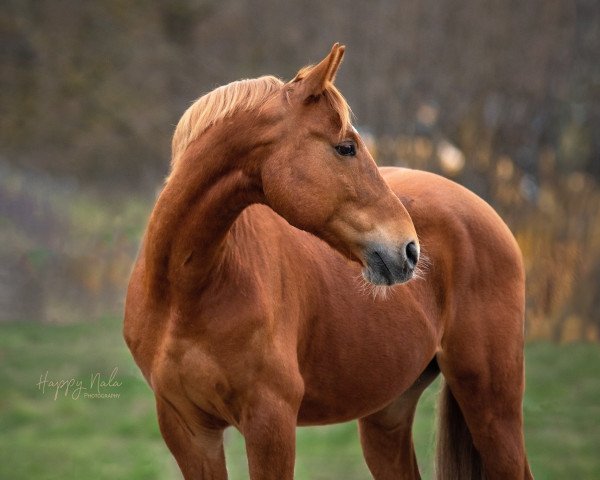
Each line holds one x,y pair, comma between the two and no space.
321,178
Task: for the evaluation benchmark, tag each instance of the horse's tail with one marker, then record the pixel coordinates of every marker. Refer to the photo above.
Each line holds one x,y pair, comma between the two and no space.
456,456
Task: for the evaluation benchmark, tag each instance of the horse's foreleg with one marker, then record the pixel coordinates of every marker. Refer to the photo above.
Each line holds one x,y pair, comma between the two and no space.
386,436
269,428
199,452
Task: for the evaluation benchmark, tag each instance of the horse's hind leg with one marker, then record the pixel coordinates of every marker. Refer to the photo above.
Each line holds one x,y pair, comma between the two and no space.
386,436
199,453
482,363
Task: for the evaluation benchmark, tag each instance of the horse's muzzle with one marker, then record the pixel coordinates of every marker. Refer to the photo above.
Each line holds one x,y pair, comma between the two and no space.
388,265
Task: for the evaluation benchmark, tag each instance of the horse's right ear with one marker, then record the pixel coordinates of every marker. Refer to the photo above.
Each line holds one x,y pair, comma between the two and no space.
310,82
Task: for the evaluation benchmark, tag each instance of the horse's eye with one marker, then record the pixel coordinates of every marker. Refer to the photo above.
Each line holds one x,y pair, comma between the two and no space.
346,149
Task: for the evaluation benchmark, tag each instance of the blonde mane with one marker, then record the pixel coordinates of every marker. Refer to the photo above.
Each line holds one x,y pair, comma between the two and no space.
222,102
242,95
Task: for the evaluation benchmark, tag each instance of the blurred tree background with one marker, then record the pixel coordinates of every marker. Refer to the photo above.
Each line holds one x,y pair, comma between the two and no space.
501,96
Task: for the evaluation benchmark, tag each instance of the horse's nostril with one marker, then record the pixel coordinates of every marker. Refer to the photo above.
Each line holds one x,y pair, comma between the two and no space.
412,254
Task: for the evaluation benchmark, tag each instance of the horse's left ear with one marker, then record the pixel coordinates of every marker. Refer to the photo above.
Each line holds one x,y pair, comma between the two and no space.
312,81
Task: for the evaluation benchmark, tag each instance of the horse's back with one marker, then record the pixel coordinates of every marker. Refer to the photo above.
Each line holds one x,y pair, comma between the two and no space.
453,221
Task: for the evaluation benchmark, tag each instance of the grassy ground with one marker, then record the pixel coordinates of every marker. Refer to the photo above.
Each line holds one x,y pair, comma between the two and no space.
117,438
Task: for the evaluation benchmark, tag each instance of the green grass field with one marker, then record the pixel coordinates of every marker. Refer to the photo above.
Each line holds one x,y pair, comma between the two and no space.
44,437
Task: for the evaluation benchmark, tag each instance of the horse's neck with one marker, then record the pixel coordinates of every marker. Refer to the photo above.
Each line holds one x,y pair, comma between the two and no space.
186,240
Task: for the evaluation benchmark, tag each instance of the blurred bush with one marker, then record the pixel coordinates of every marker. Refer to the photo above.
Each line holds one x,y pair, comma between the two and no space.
65,251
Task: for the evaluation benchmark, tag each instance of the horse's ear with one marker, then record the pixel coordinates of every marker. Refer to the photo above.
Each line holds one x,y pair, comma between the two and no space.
312,81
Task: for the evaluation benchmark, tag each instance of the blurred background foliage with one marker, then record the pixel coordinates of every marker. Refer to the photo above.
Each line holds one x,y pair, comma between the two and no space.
501,96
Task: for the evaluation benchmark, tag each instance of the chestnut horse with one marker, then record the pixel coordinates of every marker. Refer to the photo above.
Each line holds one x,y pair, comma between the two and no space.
244,307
